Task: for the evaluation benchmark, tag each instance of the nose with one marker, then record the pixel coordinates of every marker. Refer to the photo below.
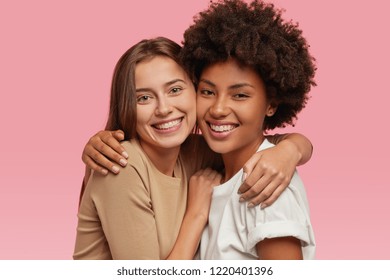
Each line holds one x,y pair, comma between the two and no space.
163,108
219,108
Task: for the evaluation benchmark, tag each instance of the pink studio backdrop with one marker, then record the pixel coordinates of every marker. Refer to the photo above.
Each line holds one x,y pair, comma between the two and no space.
56,62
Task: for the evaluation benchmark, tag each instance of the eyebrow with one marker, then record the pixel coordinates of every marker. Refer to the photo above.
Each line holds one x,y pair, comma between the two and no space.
235,86
166,85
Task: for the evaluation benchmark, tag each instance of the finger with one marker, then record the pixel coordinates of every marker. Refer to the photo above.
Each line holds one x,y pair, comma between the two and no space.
110,154
217,179
251,164
275,195
112,145
264,195
264,188
272,191
256,189
91,164
102,161
208,172
212,174
257,172
215,175
198,173
119,135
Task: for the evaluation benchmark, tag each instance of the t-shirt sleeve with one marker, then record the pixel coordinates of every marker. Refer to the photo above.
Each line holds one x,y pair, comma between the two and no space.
124,209
287,216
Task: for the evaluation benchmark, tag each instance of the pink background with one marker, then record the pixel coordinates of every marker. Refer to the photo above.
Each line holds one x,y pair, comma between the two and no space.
56,62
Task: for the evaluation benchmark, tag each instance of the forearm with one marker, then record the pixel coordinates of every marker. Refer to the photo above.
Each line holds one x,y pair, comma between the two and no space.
188,239
297,143
195,219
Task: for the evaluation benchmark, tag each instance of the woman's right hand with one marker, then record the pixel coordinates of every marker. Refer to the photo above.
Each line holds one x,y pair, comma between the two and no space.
200,191
103,150
198,206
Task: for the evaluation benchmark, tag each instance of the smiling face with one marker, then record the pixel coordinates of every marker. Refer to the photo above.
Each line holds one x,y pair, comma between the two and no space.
166,96
231,107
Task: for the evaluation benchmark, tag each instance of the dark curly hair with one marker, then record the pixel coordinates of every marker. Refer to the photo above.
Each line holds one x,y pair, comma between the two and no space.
256,35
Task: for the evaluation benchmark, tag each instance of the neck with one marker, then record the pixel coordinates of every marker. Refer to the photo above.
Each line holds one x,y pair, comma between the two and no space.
164,159
236,159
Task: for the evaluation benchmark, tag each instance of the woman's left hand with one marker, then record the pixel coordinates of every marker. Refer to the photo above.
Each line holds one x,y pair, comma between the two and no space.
268,173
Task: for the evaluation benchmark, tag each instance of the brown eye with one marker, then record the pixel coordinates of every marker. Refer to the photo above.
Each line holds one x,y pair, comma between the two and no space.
241,96
176,90
206,92
143,99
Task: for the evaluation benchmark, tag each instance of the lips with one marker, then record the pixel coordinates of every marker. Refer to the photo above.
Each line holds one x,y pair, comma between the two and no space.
168,125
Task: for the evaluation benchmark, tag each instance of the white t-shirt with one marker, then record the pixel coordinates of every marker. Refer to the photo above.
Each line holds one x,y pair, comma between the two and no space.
234,229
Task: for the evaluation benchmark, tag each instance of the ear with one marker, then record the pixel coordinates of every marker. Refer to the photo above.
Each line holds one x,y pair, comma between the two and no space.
271,109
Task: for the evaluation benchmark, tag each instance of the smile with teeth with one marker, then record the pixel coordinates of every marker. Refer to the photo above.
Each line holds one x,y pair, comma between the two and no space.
222,128
168,125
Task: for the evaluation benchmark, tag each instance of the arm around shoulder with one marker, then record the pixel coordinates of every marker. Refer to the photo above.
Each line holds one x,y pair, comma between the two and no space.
295,144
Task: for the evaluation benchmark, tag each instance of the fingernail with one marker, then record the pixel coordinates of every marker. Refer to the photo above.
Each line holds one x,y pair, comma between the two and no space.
104,171
250,205
115,169
263,205
241,199
244,176
123,162
125,155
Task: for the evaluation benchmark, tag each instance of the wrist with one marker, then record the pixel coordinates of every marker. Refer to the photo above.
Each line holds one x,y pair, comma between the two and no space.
196,217
292,149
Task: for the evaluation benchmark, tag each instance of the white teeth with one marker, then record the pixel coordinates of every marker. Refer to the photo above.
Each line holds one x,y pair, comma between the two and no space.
222,128
168,125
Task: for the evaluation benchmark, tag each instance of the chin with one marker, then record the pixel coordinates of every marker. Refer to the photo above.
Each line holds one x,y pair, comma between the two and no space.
218,147
172,143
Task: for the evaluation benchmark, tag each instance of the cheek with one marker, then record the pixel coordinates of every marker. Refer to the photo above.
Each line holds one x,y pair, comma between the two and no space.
138,127
142,116
252,116
201,107
188,104
191,113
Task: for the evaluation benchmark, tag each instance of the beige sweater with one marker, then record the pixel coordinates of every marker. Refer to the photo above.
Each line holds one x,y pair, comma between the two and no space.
136,214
